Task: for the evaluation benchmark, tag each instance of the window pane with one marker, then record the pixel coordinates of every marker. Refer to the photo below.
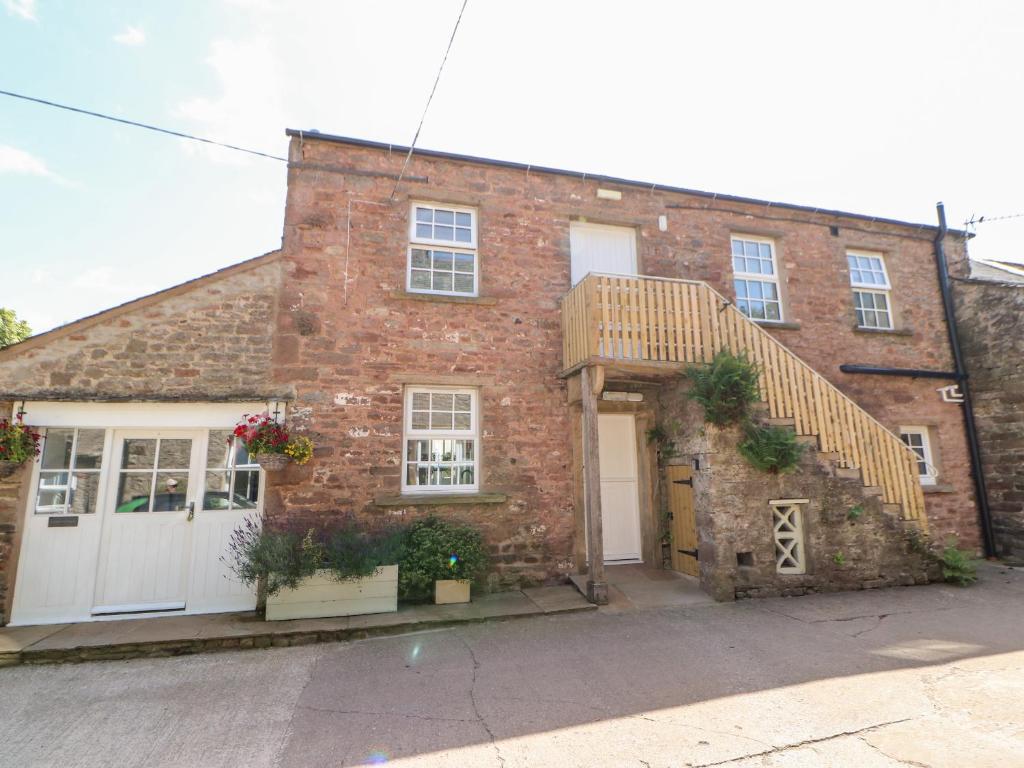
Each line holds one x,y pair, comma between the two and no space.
218,451
57,449
463,219
464,262
246,489
421,401
138,454
216,495
89,451
465,475
754,289
772,311
757,310
420,279
421,258
443,260
462,402
175,454
443,233
442,401
424,230
420,420
441,420
85,488
741,288
749,249
443,281
737,248
738,263
133,492
463,235
463,283
769,290
444,217
171,492
424,214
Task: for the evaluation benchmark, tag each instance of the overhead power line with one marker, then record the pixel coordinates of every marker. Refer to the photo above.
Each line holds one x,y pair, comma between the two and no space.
169,132
975,220
423,117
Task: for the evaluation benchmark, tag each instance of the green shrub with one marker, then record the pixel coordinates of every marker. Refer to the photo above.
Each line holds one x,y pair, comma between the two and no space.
726,388
771,449
434,549
282,557
958,566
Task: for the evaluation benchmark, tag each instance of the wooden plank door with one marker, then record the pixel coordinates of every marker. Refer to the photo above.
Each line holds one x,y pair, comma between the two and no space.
683,522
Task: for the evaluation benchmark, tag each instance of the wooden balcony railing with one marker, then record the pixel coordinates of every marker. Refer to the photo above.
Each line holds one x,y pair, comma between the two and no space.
648,319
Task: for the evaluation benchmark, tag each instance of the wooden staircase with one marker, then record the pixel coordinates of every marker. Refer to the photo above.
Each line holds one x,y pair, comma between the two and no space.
650,321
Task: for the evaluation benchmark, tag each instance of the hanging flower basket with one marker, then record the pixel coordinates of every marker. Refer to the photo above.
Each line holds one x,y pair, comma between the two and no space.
269,443
18,444
273,462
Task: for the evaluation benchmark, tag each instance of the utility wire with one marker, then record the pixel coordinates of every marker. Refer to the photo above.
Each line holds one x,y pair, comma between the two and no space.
985,219
423,117
179,134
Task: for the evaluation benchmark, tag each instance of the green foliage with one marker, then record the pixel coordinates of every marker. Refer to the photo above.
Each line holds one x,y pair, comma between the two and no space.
12,330
958,566
435,549
771,449
282,557
726,388
839,558
657,434
854,513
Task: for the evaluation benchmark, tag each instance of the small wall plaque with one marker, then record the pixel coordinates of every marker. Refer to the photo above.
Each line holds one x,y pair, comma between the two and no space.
63,521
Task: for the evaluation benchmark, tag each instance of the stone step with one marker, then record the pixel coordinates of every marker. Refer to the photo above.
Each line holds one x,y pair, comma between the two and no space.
780,422
811,440
828,455
873,490
848,473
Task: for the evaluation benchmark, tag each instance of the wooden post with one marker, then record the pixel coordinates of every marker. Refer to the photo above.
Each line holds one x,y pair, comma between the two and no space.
597,587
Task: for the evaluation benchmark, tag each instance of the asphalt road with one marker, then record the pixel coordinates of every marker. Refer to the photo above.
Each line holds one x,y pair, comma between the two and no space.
921,676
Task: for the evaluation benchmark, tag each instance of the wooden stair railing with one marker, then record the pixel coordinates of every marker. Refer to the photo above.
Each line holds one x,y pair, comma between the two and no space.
645,319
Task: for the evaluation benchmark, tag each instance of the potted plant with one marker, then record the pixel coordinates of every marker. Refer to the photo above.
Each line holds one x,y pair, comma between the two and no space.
18,444
318,571
440,560
270,444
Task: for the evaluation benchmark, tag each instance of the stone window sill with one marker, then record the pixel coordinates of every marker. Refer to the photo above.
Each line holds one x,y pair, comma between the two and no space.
781,326
940,488
442,299
884,331
438,499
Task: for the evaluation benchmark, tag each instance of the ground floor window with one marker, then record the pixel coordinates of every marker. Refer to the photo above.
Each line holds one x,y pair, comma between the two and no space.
441,438
788,533
69,471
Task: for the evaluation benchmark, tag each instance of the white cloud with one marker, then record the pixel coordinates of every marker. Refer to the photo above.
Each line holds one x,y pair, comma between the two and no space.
131,36
23,9
17,161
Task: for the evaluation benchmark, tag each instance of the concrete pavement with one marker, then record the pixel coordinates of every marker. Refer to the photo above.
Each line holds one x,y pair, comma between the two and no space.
923,676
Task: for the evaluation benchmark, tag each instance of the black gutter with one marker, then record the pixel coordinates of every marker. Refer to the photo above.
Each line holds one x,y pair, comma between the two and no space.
980,491
913,373
645,185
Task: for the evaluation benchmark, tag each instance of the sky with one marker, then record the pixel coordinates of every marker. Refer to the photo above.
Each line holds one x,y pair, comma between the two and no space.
880,108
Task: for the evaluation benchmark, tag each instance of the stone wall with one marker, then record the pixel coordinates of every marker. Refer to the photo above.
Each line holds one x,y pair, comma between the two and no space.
851,541
350,337
990,317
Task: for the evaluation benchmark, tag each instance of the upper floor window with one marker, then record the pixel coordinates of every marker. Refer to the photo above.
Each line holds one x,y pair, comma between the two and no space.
441,440
756,278
919,441
442,250
871,289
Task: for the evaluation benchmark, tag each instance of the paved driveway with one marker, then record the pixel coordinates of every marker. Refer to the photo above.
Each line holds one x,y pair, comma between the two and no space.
928,676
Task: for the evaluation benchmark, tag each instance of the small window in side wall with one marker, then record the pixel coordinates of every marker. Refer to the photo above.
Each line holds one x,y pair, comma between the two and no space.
756,278
442,250
918,439
871,290
69,471
441,451
232,479
788,534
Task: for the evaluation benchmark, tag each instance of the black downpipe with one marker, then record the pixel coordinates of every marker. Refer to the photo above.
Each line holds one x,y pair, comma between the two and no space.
912,373
980,491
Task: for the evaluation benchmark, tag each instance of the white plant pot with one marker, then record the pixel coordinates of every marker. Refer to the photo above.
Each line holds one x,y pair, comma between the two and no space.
322,596
448,591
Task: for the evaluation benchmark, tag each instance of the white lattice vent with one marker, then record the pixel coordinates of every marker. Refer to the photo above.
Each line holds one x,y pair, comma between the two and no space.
788,532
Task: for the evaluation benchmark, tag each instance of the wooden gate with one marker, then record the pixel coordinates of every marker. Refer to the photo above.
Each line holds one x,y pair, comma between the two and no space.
682,520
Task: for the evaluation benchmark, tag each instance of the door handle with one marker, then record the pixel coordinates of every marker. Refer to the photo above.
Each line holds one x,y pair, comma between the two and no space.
191,511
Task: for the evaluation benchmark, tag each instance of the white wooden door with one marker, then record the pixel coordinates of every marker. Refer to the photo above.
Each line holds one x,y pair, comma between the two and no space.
620,501
601,248
153,487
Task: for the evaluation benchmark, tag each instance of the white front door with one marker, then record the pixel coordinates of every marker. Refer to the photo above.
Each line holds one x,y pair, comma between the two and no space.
153,489
601,248
620,501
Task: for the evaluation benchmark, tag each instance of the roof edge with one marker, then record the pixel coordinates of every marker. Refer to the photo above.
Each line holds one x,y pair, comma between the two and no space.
317,135
143,301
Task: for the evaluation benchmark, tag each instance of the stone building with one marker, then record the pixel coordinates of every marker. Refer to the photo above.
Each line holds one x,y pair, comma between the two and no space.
990,315
475,340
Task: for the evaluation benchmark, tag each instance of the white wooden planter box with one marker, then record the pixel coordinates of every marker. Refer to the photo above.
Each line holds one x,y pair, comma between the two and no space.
322,595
